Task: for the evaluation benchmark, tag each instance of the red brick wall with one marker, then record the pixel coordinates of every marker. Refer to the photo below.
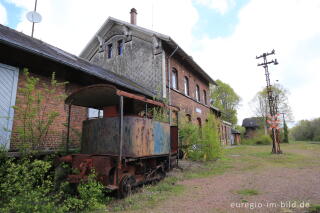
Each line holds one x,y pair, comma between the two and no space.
56,137
189,104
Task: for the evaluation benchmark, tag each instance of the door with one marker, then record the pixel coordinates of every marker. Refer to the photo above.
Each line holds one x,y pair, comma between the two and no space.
8,89
174,139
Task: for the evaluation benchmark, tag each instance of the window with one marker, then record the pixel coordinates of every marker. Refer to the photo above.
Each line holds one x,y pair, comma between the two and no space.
197,93
199,122
174,79
120,47
188,118
109,50
186,86
94,113
205,97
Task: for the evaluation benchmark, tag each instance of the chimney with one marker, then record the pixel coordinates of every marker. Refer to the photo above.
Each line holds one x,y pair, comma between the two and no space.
133,16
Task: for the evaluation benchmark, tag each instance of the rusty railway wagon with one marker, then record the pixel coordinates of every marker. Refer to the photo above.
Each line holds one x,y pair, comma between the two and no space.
125,146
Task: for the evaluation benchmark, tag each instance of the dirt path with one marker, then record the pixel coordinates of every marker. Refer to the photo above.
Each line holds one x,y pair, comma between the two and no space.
280,183
217,194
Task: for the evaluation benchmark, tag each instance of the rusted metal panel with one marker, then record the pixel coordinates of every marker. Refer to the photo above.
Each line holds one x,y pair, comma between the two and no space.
141,137
161,138
174,139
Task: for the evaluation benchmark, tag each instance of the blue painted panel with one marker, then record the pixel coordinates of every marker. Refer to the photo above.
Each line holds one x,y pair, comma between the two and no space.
161,138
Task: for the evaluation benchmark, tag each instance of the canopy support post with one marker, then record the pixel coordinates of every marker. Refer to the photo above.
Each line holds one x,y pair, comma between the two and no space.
121,139
68,129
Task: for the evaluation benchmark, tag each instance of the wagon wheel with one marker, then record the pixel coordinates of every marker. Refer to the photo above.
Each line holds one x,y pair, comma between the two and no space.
161,174
126,185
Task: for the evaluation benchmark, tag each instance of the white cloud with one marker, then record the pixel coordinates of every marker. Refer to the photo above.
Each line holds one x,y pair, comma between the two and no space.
288,27
3,15
71,24
222,6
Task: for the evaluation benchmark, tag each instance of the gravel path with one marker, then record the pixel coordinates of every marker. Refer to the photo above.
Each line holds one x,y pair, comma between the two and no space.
217,194
280,189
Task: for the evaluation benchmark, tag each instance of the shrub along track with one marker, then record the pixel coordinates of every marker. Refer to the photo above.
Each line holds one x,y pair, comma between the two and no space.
248,175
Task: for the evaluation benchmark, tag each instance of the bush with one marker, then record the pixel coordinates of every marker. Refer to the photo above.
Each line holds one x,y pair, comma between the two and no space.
27,185
258,140
201,143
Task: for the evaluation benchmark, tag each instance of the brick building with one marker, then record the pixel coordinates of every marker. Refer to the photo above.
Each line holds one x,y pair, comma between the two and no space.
18,51
153,60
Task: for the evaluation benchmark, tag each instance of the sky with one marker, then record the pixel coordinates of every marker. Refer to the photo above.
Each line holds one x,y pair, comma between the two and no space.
223,37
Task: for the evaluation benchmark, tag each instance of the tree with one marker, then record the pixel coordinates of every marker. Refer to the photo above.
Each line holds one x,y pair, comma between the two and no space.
285,133
306,130
227,100
260,103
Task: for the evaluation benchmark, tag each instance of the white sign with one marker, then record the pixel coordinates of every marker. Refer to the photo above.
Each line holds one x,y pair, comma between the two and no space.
198,110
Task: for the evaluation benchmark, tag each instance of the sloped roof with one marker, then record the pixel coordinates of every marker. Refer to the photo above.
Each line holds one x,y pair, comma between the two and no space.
234,131
251,122
167,39
34,46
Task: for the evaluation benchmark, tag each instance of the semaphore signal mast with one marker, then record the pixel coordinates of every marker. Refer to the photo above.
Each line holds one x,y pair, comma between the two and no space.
272,102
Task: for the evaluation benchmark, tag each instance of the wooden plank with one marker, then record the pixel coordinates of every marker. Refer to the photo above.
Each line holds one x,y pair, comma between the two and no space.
8,87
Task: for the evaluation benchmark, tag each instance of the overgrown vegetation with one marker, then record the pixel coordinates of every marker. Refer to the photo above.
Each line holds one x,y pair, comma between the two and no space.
27,185
148,196
160,114
34,116
200,143
314,208
307,130
227,100
257,140
260,103
285,133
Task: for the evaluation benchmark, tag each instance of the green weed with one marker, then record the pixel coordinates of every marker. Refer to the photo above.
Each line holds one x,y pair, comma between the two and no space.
248,192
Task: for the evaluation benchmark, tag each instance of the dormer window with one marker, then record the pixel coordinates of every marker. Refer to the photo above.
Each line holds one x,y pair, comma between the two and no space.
120,47
109,50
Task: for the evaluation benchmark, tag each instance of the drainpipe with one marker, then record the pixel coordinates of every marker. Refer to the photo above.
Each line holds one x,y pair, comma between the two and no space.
169,96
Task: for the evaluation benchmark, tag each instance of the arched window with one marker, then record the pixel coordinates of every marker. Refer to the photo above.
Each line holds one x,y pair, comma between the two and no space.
174,79
205,97
197,93
186,85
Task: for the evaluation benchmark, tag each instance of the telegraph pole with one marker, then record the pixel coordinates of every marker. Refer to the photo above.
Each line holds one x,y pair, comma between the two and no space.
271,99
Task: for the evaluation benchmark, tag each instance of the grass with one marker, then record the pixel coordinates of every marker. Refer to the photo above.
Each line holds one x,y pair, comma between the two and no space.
314,208
248,192
237,159
149,196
